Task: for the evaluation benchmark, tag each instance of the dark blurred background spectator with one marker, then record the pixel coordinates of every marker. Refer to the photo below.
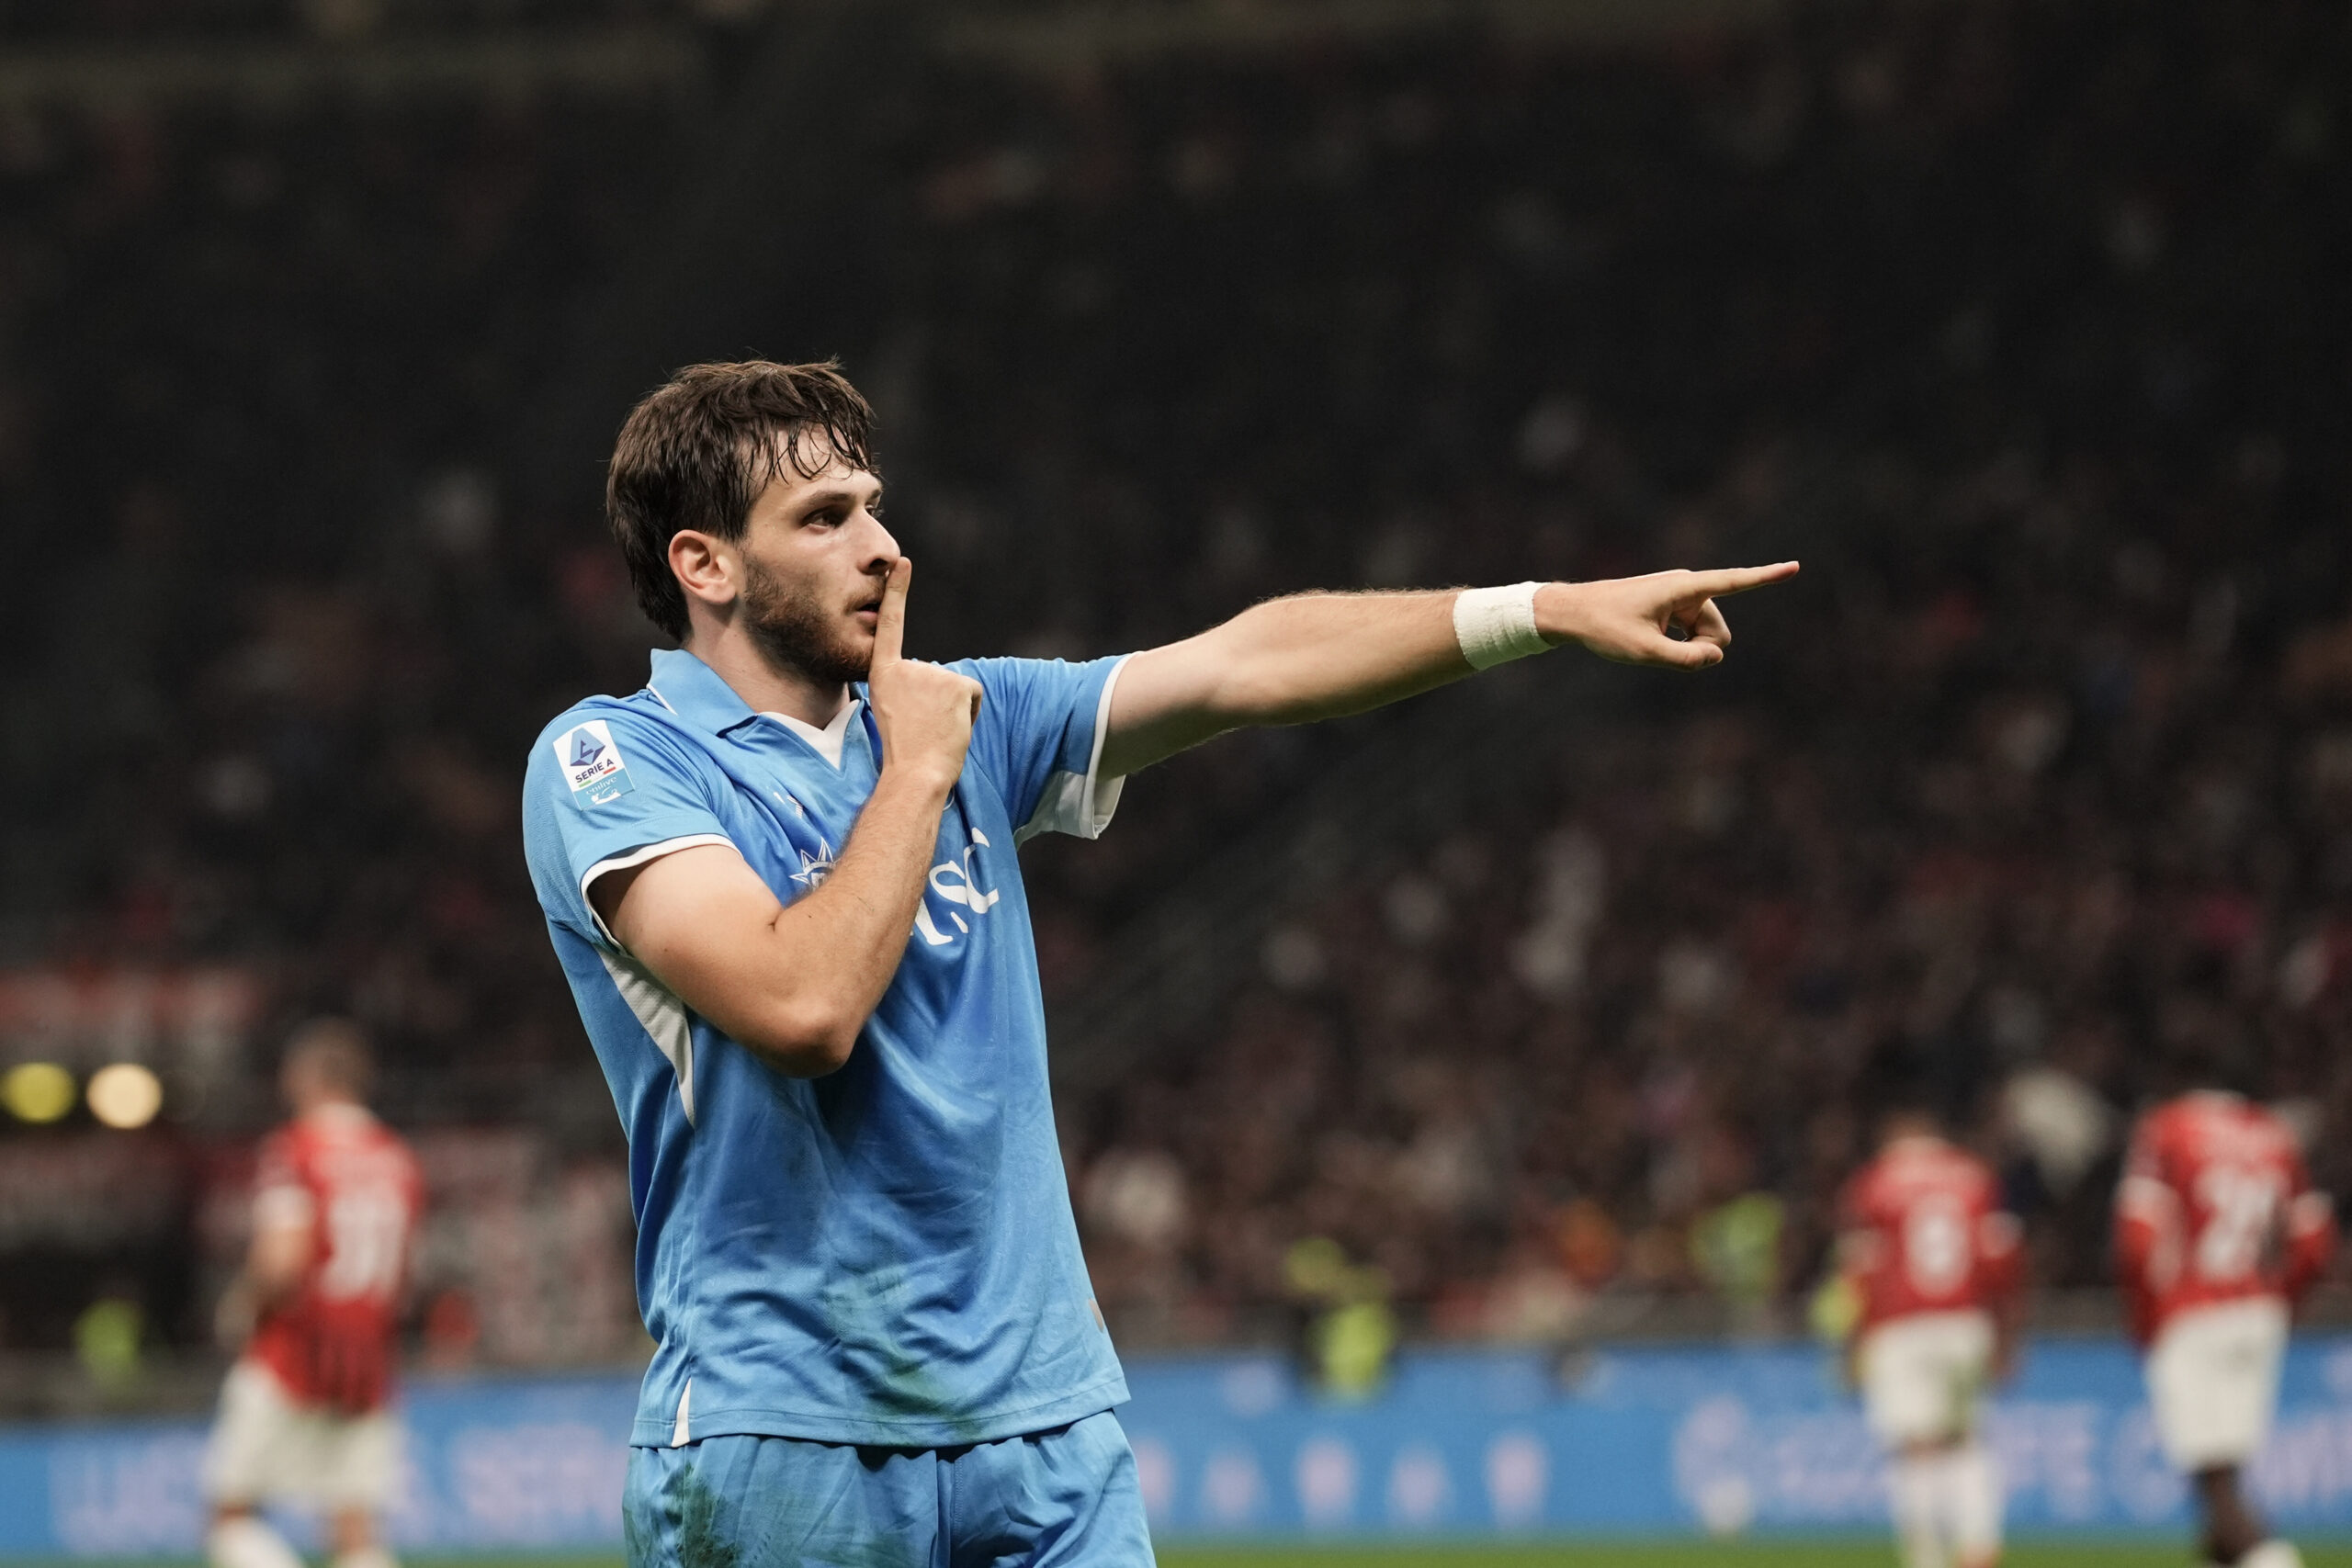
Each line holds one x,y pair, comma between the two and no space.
2024,324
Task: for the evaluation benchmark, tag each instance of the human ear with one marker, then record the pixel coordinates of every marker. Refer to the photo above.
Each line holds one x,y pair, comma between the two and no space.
705,566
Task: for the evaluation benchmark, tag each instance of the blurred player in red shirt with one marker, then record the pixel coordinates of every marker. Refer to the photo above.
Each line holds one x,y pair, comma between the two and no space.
304,1414
2218,1233
1932,1263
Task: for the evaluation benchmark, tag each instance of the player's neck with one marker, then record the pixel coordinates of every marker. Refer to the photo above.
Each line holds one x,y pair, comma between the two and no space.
735,659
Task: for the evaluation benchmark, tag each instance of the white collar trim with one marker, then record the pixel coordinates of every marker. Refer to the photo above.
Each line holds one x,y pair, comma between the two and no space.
826,742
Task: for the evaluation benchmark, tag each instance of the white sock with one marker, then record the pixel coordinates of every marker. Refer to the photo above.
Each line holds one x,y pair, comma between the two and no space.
2273,1553
377,1556
1971,1498
247,1541
1912,1483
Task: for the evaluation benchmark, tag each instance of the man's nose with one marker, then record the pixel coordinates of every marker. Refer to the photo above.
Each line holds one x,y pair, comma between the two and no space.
882,550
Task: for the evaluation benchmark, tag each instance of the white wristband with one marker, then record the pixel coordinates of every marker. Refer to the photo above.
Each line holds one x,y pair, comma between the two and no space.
1495,625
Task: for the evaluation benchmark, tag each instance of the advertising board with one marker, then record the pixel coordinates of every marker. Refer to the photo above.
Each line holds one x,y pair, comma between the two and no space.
1619,1441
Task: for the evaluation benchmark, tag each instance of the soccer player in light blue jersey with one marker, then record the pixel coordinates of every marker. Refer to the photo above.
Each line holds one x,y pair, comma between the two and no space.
782,880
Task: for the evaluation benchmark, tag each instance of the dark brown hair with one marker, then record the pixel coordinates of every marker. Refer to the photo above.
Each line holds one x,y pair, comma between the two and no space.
698,452
335,1049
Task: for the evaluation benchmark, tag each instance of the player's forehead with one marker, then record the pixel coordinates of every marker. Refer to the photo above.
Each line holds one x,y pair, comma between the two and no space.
803,463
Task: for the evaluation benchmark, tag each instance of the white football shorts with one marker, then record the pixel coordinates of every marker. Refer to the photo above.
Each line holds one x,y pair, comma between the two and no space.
1922,1375
2213,1381
266,1447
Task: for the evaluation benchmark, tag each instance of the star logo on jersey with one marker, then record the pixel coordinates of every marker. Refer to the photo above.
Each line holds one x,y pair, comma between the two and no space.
815,868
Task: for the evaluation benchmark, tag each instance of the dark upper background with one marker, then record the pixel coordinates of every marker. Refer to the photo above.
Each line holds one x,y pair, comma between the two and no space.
2024,324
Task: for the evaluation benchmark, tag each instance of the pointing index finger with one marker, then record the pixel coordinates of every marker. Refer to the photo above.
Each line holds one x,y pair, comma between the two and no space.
890,626
1738,579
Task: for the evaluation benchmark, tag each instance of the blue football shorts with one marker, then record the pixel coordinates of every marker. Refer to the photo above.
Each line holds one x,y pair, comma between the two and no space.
1064,1498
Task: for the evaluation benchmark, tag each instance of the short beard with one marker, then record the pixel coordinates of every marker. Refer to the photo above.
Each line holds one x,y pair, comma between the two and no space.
795,635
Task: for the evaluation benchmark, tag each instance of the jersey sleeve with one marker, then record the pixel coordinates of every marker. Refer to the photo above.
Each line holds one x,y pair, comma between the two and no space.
282,1199
1039,738
2147,1226
604,793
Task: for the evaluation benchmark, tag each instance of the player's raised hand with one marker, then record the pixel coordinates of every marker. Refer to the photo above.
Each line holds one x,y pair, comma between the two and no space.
1633,619
924,712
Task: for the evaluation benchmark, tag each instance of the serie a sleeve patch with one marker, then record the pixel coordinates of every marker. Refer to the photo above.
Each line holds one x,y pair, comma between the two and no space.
592,764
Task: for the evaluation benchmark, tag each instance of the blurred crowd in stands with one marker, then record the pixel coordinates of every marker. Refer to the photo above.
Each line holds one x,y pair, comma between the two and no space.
38,23
282,632
2025,325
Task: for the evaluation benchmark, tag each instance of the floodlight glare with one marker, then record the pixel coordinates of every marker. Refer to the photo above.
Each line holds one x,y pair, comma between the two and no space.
125,1095
36,1092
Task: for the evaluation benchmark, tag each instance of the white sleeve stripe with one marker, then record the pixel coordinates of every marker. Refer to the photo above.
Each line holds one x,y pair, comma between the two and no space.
1080,805
664,1019
638,856
1095,821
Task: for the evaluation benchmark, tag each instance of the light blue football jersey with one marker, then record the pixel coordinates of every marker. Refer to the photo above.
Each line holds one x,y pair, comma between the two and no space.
885,1255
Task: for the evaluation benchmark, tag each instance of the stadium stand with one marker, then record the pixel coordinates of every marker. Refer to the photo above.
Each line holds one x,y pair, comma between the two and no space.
2024,325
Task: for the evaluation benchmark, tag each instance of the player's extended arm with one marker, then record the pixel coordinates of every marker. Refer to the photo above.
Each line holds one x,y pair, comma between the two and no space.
2147,1231
1319,656
2147,1218
286,1242
796,982
278,1258
277,1255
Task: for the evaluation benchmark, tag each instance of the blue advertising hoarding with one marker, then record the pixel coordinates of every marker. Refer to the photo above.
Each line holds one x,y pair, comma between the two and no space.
492,1462
1630,1441
1638,1441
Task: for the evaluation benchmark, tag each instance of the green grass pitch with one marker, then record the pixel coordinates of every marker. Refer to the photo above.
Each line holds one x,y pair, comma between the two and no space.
1847,1552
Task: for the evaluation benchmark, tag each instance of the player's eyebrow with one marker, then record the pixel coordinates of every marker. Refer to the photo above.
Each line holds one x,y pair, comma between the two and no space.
837,495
